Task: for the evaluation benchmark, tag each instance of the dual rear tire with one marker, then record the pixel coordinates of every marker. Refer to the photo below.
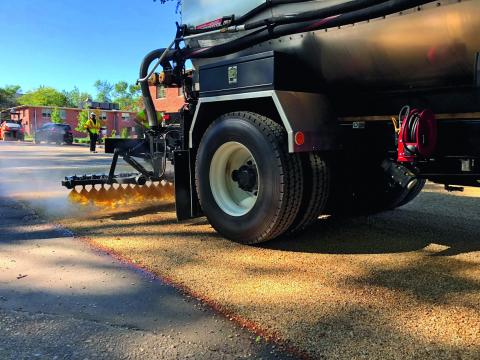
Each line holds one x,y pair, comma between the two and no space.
250,187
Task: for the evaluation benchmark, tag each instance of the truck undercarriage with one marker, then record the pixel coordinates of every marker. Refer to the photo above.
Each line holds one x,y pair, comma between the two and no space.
336,109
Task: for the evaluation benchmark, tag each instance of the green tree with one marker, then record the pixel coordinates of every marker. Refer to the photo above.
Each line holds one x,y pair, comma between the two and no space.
8,96
43,96
55,116
135,90
82,119
127,96
75,97
142,117
121,88
104,90
121,95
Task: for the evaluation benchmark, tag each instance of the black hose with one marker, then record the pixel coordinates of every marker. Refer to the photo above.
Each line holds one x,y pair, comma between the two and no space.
376,11
315,14
411,125
244,18
150,112
330,17
266,5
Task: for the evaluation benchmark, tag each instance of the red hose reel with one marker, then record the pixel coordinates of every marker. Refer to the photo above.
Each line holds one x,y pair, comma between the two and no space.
417,138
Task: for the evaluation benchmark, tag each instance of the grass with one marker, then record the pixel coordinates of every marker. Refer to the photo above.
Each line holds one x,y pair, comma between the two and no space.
84,140
28,138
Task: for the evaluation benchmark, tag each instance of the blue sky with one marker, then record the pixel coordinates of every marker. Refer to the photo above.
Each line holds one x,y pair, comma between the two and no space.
63,43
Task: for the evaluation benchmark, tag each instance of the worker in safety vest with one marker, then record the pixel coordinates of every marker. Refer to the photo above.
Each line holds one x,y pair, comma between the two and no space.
93,127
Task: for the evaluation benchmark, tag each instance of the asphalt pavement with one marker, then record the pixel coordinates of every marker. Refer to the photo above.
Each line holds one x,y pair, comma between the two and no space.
62,299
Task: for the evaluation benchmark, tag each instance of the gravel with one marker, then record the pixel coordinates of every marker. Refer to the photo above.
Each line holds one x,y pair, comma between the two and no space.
403,284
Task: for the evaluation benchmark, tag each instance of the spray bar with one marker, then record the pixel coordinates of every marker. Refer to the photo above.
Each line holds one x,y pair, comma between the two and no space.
71,182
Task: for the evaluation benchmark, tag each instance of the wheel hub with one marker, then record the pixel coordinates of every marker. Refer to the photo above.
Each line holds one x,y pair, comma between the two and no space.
246,177
234,179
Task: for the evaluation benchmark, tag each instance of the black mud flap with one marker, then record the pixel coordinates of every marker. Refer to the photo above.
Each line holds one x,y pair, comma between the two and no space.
186,199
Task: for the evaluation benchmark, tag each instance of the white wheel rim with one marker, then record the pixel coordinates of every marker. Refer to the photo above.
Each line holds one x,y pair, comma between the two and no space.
227,193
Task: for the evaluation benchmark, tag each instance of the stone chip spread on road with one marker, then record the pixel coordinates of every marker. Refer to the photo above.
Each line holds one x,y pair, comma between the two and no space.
391,285
402,284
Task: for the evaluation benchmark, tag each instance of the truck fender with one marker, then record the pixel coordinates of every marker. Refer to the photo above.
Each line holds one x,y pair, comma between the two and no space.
308,118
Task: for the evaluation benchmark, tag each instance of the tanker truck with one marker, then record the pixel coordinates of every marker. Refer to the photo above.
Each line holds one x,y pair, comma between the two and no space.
300,108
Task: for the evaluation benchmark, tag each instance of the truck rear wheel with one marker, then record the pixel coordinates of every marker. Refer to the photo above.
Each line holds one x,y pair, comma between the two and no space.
316,190
249,186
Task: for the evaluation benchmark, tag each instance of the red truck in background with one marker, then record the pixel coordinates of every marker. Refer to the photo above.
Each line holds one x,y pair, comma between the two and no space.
11,130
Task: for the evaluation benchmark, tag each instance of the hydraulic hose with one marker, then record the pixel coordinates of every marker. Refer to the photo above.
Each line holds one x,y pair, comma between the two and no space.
252,13
314,14
265,6
324,19
150,112
376,11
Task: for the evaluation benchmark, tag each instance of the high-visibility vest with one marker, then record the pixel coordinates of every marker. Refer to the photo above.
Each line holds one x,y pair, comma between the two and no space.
93,127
